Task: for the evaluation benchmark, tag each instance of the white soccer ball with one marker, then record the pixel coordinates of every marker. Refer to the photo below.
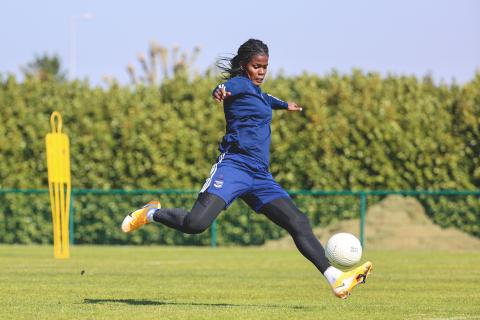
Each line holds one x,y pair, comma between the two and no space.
343,249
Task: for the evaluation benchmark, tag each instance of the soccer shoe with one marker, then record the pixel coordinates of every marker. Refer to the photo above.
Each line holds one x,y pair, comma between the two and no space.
349,280
138,218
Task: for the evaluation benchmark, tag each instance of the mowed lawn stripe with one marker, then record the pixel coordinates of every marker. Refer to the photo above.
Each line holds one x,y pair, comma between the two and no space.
127,282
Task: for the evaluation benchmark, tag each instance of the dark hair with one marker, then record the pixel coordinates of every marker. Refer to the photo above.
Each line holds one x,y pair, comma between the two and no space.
232,67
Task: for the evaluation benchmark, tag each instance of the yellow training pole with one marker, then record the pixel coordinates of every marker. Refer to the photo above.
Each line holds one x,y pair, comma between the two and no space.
59,185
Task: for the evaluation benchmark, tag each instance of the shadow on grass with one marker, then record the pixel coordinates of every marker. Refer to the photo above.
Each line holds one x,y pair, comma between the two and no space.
144,302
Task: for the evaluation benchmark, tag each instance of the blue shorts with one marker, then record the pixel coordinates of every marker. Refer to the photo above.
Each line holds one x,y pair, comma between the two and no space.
231,179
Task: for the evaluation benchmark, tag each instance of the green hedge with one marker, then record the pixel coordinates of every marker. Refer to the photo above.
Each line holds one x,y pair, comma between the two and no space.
26,218
357,132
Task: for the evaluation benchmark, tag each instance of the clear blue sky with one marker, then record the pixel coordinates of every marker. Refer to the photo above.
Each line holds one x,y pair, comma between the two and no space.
440,37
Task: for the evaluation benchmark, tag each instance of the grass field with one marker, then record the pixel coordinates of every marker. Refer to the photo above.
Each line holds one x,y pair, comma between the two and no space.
229,283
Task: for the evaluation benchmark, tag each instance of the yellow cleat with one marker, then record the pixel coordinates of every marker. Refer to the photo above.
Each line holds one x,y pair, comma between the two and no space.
138,218
350,279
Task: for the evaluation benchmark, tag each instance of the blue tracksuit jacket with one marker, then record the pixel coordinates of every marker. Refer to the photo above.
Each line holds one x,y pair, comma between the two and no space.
248,114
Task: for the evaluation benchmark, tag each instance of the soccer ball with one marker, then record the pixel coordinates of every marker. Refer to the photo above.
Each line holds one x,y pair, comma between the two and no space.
343,249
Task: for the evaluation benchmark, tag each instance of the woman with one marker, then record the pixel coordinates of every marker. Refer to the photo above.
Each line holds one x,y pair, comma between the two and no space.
242,169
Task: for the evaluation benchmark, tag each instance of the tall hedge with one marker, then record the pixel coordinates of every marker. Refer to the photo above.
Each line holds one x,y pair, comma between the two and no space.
357,131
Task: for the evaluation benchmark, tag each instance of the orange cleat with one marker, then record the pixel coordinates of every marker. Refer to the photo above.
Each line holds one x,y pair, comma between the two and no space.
350,279
138,218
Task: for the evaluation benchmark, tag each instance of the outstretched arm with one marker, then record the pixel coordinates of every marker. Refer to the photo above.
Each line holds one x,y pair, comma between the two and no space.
280,104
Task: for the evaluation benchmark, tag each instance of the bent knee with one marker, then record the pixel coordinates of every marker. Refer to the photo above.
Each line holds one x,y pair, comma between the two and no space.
195,228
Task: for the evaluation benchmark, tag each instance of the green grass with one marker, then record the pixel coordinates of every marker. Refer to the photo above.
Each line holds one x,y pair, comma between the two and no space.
229,283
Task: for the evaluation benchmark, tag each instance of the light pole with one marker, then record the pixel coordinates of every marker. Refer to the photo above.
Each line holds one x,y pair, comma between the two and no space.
73,41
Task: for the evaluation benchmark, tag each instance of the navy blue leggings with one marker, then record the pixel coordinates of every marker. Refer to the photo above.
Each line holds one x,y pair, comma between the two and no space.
281,211
207,207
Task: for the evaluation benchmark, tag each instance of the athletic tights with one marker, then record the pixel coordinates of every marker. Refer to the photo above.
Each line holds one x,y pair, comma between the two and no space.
281,211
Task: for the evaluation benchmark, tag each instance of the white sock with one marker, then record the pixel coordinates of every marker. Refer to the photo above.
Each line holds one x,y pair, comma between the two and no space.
332,274
150,215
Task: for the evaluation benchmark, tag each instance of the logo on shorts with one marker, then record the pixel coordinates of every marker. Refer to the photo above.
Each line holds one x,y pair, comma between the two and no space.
218,183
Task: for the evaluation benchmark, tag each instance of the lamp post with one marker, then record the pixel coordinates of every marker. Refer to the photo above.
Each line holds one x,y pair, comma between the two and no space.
73,41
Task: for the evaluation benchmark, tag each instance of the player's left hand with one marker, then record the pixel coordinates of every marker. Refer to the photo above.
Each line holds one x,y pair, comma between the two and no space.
292,106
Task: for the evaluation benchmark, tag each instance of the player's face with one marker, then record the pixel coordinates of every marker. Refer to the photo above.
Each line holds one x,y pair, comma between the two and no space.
256,68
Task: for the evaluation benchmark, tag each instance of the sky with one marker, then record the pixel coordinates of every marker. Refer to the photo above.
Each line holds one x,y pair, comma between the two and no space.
401,37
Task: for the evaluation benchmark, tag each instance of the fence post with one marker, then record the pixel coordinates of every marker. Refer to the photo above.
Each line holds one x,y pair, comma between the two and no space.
213,234
363,213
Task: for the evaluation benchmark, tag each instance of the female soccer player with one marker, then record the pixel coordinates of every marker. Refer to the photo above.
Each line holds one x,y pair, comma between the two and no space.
242,169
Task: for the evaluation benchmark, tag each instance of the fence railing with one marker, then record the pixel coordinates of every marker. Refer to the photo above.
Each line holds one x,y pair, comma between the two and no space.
362,199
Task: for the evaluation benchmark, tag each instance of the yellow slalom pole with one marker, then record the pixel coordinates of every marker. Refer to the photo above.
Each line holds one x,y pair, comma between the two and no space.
59,185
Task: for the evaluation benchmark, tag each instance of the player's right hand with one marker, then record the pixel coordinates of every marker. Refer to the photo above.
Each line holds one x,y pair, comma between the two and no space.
220,93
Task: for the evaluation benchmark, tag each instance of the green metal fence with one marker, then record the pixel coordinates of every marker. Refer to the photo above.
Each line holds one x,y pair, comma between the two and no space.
301,197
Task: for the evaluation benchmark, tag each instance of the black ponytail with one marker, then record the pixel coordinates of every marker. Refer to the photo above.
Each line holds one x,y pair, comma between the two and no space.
232,67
